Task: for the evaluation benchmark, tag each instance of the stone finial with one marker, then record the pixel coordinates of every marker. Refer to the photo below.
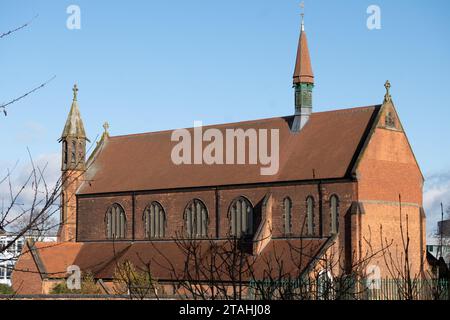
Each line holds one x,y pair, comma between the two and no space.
75,92
106,127
387,97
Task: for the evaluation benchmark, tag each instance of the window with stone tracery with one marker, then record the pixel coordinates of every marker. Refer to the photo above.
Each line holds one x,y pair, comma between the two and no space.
196,219
116,222
241,217
154,221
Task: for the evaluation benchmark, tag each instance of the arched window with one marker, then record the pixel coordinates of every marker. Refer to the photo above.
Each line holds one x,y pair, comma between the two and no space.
115,222
74,149
334,207
287,215
65,152
310,215
155,221
196,219
80,151
241,217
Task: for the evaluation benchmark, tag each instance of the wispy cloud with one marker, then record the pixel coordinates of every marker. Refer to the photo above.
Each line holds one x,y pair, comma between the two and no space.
49,164
437,191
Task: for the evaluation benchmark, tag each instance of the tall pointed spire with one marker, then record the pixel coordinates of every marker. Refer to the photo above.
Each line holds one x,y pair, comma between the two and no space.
303,81
73,138
303,71
74,127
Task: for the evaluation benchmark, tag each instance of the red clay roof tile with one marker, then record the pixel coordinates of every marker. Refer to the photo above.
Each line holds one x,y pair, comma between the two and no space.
167,260
142,162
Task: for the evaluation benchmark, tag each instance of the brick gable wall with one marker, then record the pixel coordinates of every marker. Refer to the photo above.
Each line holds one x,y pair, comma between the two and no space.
386,170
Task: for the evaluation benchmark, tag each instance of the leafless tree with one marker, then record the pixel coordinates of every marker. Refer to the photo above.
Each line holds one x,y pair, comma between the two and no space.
137,283
228,269
408,282
210,269
32,209
38,214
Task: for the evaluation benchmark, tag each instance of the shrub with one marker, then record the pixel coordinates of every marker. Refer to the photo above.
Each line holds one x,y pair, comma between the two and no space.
88,286
4,289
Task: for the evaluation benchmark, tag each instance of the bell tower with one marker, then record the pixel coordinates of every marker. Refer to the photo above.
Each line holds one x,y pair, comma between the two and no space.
73,147
303,82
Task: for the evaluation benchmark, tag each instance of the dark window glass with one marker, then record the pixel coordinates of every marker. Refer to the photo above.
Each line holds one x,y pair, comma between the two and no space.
115,222
73,151
287,214
155,221
65,152
334,206
241,217
196,219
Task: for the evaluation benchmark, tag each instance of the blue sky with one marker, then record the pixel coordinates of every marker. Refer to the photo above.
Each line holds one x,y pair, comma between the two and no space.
153,65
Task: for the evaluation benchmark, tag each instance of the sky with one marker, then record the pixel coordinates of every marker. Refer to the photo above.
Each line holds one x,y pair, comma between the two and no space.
156,65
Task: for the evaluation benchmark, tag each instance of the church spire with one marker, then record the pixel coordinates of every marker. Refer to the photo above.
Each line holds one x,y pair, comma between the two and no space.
303,81
73,138
303,71
74,124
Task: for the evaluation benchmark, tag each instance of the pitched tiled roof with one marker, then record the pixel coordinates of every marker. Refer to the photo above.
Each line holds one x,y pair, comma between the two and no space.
53,258
327,144
167,260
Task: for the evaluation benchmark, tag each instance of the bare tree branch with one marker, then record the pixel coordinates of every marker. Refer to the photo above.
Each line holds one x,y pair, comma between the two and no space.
3,106
19,28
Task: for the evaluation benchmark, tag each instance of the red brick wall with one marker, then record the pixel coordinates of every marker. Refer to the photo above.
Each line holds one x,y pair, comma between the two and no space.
387,169
91,216
71,182
92,210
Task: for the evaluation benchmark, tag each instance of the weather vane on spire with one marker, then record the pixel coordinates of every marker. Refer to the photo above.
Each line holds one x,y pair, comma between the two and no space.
302,6
75,92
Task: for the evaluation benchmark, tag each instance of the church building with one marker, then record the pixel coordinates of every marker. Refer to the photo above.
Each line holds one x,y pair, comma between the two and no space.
347,184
